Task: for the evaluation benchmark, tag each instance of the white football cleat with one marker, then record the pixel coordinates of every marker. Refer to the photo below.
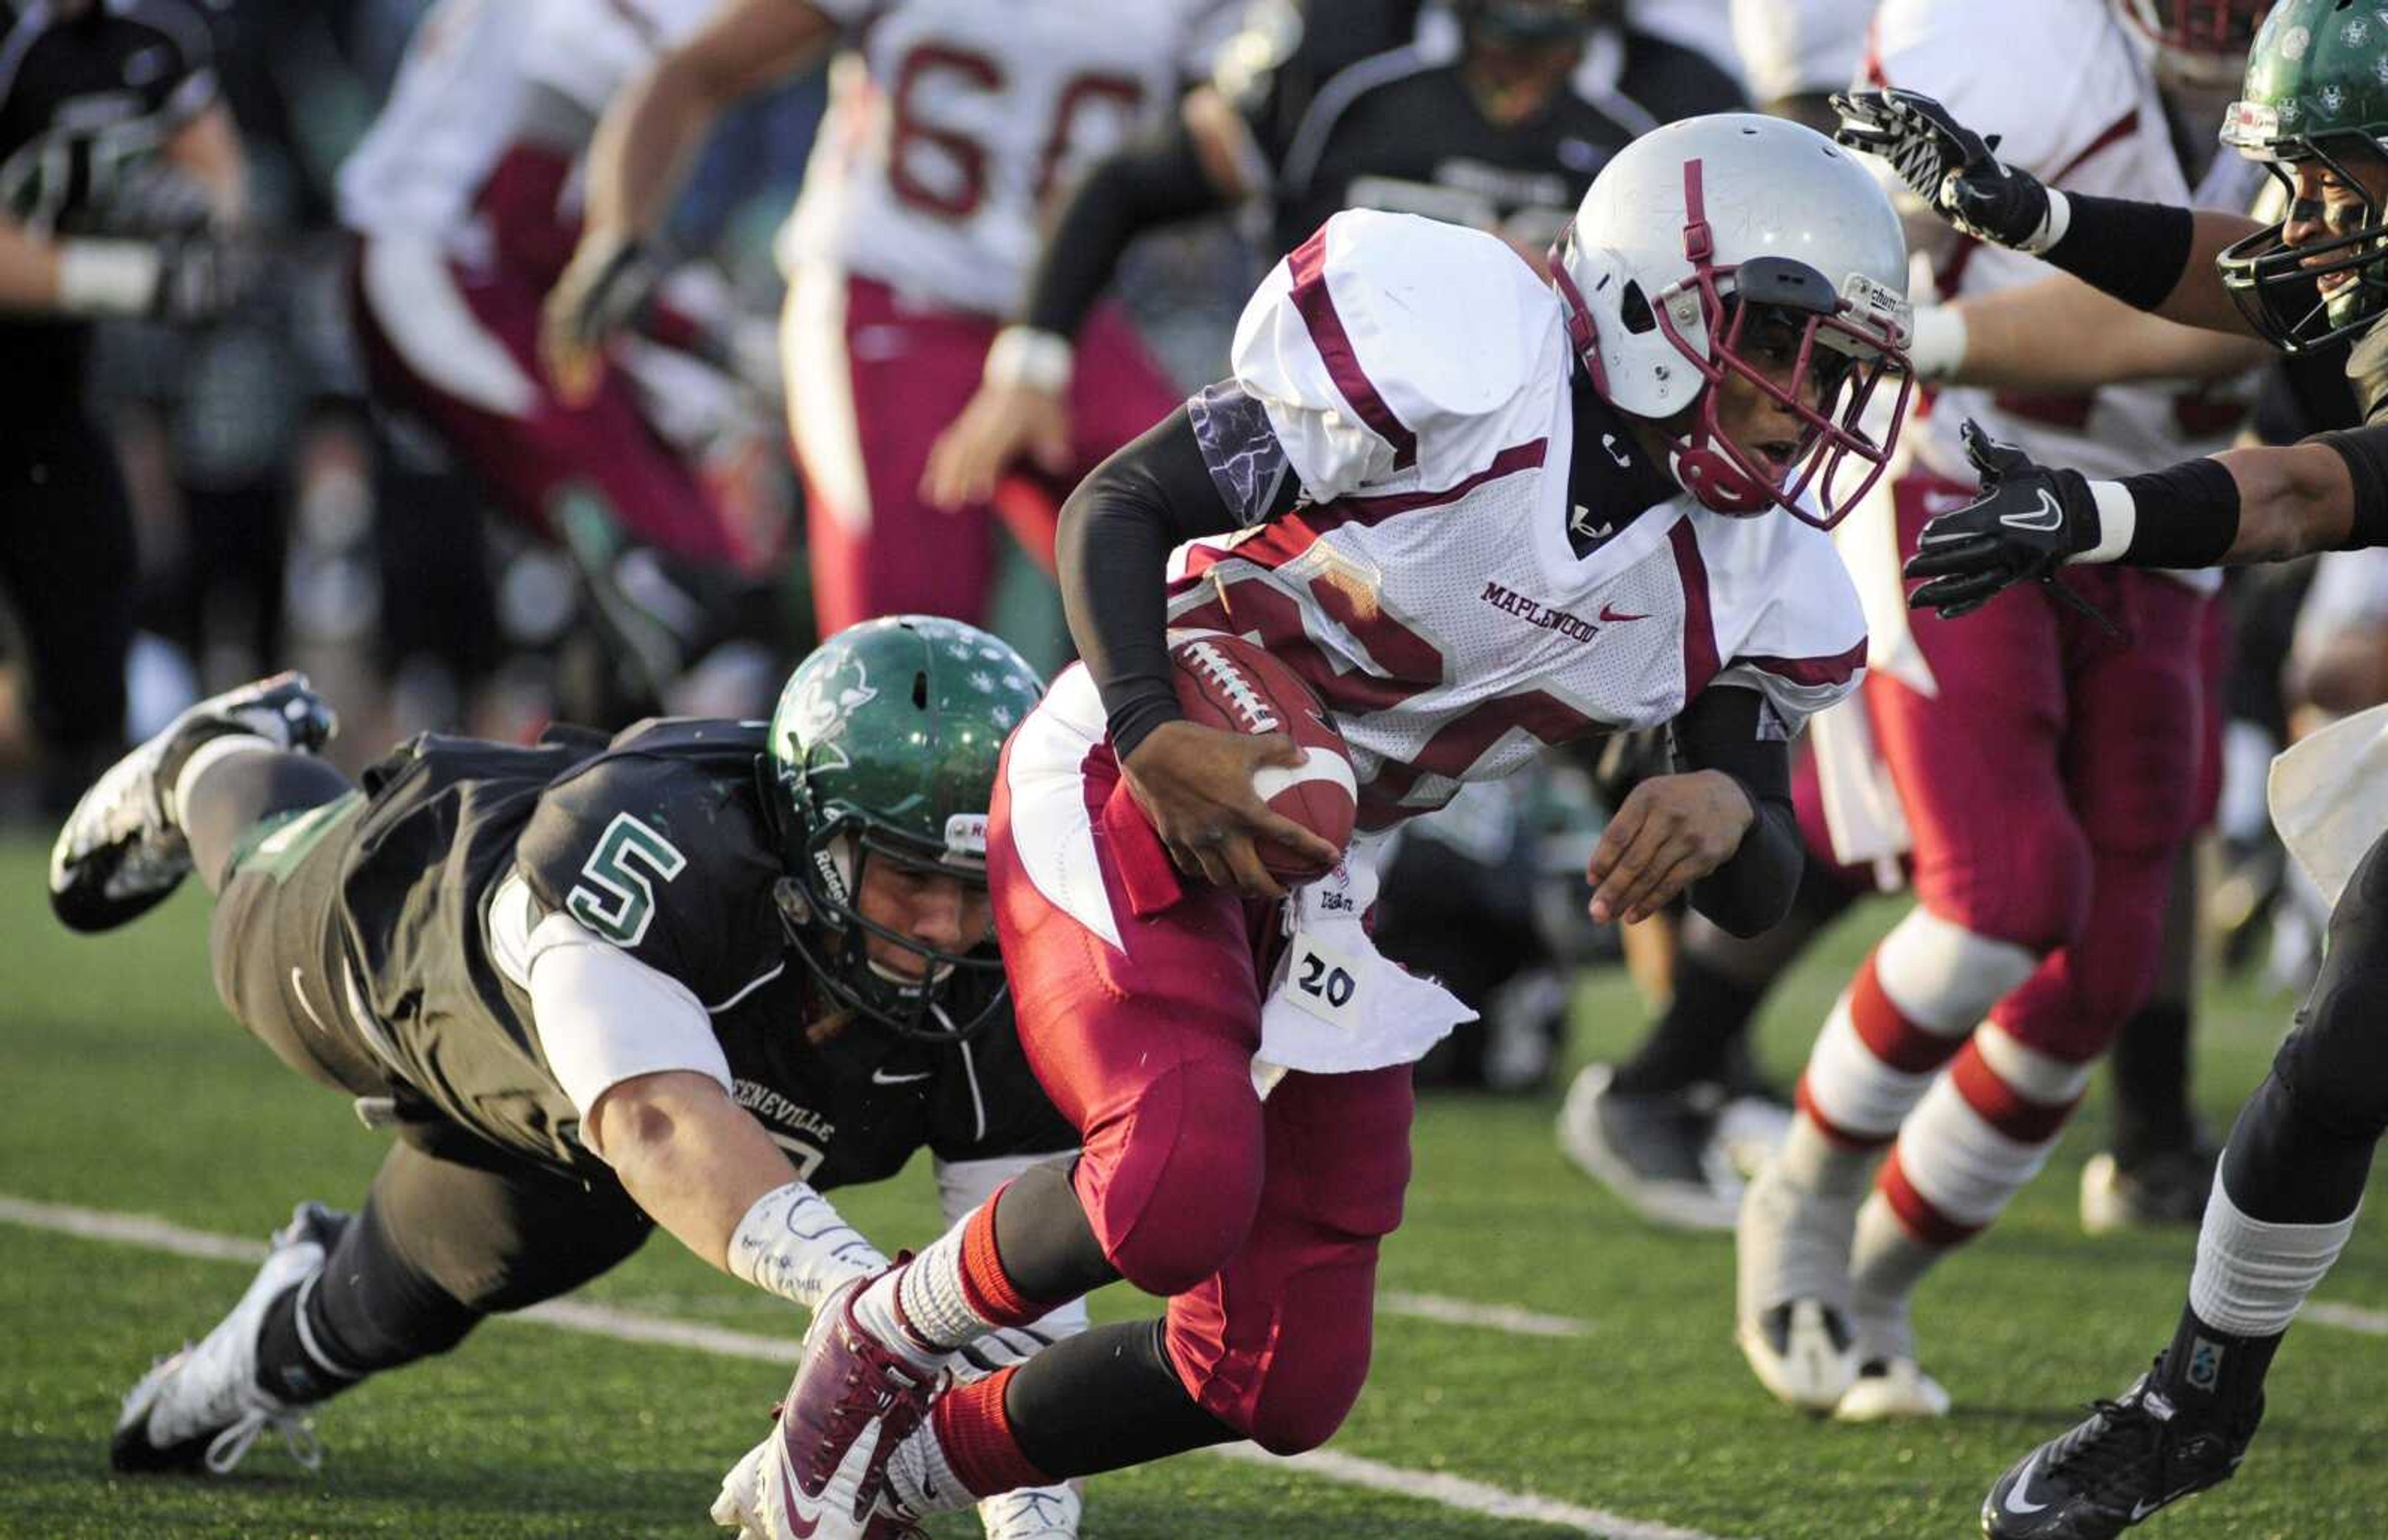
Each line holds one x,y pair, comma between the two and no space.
121,850
1792,1274
1889,1390
201,1409
1033,1513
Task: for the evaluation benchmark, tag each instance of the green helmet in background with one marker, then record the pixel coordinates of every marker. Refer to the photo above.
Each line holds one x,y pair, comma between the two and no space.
884,748
2316,90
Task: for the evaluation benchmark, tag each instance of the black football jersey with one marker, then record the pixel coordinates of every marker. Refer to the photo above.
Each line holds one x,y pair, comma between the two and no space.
1400,130
656,842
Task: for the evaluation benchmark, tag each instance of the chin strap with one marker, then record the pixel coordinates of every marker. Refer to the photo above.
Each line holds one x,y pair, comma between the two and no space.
1715,481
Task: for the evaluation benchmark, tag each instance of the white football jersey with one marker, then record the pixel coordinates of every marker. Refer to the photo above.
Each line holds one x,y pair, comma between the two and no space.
1439,584
954,123
459,101
2067,86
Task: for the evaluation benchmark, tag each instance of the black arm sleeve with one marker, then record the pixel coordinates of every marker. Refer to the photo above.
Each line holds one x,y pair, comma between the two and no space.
2365,450
1727,728
2135,251
1154,183
1112,553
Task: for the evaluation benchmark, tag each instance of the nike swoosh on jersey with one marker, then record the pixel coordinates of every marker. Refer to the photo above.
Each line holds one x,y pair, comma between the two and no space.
1613,617
2047,516
2019,1500
880,1077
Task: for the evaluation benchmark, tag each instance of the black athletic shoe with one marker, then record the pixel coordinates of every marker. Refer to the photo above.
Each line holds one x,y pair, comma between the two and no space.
120,852
2131,1457
1656,1153
2164,1190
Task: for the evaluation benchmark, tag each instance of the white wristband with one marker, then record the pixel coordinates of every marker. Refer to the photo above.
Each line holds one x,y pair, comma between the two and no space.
1937,351
792,1243
2118,515
108,277
1024,356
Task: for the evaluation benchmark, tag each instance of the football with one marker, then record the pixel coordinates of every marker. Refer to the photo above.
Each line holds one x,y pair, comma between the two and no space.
1226,682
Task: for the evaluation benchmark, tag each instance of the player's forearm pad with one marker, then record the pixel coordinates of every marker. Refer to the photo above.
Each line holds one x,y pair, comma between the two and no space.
792,1243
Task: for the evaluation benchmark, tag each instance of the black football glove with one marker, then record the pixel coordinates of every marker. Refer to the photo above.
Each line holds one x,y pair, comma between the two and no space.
201,278
2027,521
1948,165
604,291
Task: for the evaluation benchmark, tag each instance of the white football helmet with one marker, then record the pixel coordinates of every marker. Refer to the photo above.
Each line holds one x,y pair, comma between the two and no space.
1684,225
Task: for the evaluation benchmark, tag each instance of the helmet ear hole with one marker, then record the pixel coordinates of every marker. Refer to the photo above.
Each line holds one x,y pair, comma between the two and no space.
920,690
1633,308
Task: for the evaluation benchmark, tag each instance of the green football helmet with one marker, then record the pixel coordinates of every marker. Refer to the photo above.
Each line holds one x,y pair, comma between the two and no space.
884,748
2316,90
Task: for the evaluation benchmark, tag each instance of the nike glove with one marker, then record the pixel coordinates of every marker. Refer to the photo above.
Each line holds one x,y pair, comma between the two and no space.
1950,167
2030,520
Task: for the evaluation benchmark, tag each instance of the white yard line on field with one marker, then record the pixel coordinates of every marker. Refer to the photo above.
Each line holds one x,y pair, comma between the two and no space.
1434,1486
2348,1318
1469,1312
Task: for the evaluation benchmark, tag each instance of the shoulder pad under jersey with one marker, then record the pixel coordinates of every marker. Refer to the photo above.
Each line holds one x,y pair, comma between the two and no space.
1396,353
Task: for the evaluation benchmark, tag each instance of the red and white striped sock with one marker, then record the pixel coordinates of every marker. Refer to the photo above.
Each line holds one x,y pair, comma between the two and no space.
1909,1009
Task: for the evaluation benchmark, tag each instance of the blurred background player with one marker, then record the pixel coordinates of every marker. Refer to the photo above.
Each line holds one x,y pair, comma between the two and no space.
465,203
1501,129
952,127
120,190
691,978
2046,767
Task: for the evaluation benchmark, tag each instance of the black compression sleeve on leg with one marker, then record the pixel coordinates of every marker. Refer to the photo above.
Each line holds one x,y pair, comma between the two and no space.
1106,1398
232,795
2135,251
1155,183
1041,1236
369,1310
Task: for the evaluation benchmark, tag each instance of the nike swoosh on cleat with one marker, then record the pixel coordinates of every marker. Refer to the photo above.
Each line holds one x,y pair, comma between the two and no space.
2019,1500
2047,516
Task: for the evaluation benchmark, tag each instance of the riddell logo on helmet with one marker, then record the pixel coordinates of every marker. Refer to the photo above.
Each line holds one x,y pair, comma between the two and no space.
966,833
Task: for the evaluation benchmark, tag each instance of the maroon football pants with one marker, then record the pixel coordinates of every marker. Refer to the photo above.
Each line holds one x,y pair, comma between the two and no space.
1260,1219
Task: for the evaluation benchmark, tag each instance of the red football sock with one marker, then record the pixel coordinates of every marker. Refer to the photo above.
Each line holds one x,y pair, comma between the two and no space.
973,1431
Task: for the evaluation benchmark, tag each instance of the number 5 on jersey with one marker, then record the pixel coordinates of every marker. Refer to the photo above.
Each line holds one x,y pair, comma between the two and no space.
617,895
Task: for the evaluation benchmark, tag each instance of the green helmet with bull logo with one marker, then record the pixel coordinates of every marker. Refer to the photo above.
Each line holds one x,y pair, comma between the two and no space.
884,748
2316,90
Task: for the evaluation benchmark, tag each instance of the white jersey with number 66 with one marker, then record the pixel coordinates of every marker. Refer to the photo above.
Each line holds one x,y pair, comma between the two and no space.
953,123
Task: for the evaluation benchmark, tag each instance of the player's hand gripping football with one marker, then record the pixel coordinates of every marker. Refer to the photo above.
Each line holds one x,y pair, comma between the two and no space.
1669,832
2028,520
1005,421
1195,784
1948,165
602,291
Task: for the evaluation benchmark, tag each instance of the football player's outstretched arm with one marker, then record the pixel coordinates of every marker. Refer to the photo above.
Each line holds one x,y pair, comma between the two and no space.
2149,256
1112,553
642,147
1020,406
2263,504
1723,825
2059,335
702,1168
